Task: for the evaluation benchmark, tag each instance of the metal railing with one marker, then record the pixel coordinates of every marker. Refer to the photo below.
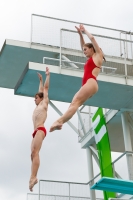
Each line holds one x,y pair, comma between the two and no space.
119,53
111,70
86,113
73,59
42,29
60,190
116,44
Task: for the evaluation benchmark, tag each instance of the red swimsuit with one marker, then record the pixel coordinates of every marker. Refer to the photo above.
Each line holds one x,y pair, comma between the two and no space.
88,68
39,128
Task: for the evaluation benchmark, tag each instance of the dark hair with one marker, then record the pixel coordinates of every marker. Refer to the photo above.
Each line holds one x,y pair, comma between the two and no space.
103,55
40,94
90,45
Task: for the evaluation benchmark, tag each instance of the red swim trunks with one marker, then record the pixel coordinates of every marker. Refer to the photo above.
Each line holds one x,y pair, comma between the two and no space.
39,128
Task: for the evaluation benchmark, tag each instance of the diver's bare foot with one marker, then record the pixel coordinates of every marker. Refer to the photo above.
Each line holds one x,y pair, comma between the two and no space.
32,182
56,126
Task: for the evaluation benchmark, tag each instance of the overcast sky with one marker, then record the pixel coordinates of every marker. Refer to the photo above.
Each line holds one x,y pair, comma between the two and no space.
61,156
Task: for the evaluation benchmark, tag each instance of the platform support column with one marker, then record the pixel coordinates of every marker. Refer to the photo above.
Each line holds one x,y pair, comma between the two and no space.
127,142
90,172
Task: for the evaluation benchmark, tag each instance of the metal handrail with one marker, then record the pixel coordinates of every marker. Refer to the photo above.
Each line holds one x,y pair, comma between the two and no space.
64,182
126,152
111,29
56,59
103,36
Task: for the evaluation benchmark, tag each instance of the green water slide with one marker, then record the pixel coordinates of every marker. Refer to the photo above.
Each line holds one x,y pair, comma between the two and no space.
103,147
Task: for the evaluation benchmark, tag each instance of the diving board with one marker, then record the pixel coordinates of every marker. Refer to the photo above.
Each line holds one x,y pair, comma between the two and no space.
114,185
20,62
